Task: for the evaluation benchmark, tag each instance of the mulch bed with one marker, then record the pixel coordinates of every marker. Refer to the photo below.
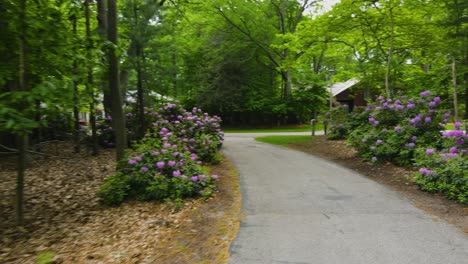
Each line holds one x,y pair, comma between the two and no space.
64,219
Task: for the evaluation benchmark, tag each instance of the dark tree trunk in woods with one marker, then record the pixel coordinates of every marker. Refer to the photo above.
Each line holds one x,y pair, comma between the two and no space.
22,138
76,111
90,83
140,92
465,77
102,7
118,117
455,90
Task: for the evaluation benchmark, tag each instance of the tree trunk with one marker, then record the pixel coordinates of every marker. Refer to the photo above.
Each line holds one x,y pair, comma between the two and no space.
140,95
118,117
388,89
90,82
174,73
76,111
140,92
22,139
102,30
455,96
22,163
286,75
465,76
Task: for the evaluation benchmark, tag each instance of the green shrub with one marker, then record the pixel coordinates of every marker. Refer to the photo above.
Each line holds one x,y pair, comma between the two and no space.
115,189
167,162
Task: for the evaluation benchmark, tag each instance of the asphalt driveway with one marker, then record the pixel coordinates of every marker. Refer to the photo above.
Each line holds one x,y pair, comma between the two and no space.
301,209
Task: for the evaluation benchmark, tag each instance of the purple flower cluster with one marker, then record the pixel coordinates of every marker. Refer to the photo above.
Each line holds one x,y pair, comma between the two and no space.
425,171
181,141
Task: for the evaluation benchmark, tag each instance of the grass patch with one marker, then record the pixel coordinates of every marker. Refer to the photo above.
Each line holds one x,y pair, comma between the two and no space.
45,257
283,140
450,126
302,128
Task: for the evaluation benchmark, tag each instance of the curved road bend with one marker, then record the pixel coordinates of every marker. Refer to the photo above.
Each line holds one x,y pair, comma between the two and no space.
301,209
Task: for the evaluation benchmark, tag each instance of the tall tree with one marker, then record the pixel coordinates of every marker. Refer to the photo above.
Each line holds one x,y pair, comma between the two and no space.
22,137
118,116
90,77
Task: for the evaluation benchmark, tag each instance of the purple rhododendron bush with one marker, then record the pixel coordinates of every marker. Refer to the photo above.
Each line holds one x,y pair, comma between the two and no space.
168,162
409,132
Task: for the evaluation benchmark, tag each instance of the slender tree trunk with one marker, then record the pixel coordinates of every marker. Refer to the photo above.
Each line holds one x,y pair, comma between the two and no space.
22,138
102,30
455,92
140,96
90,82
287,86
465,76
174,73
388,89
118,117
76,110
22,163
140,92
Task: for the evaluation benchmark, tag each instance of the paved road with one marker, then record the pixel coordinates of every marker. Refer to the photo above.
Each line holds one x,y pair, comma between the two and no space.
302,209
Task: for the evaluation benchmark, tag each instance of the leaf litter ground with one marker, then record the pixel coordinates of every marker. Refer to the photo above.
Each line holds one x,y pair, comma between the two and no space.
66,223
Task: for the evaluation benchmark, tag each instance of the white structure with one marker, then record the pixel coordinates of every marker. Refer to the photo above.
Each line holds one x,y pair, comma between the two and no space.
337,88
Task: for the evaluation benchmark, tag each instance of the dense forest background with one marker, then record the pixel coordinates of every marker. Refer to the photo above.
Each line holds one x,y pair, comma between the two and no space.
251,62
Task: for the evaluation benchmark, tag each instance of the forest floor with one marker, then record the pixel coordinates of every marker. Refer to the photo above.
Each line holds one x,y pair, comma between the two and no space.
65,223
394,177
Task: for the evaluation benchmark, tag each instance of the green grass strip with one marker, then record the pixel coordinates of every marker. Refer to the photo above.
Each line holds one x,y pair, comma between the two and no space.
283,140
273,130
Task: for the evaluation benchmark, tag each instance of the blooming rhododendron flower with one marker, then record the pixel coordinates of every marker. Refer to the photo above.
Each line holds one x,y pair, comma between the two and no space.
453,133
160,164
425,93
425,171
429,151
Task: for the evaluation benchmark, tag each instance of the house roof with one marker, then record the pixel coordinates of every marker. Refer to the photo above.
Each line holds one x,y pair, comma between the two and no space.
338,88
